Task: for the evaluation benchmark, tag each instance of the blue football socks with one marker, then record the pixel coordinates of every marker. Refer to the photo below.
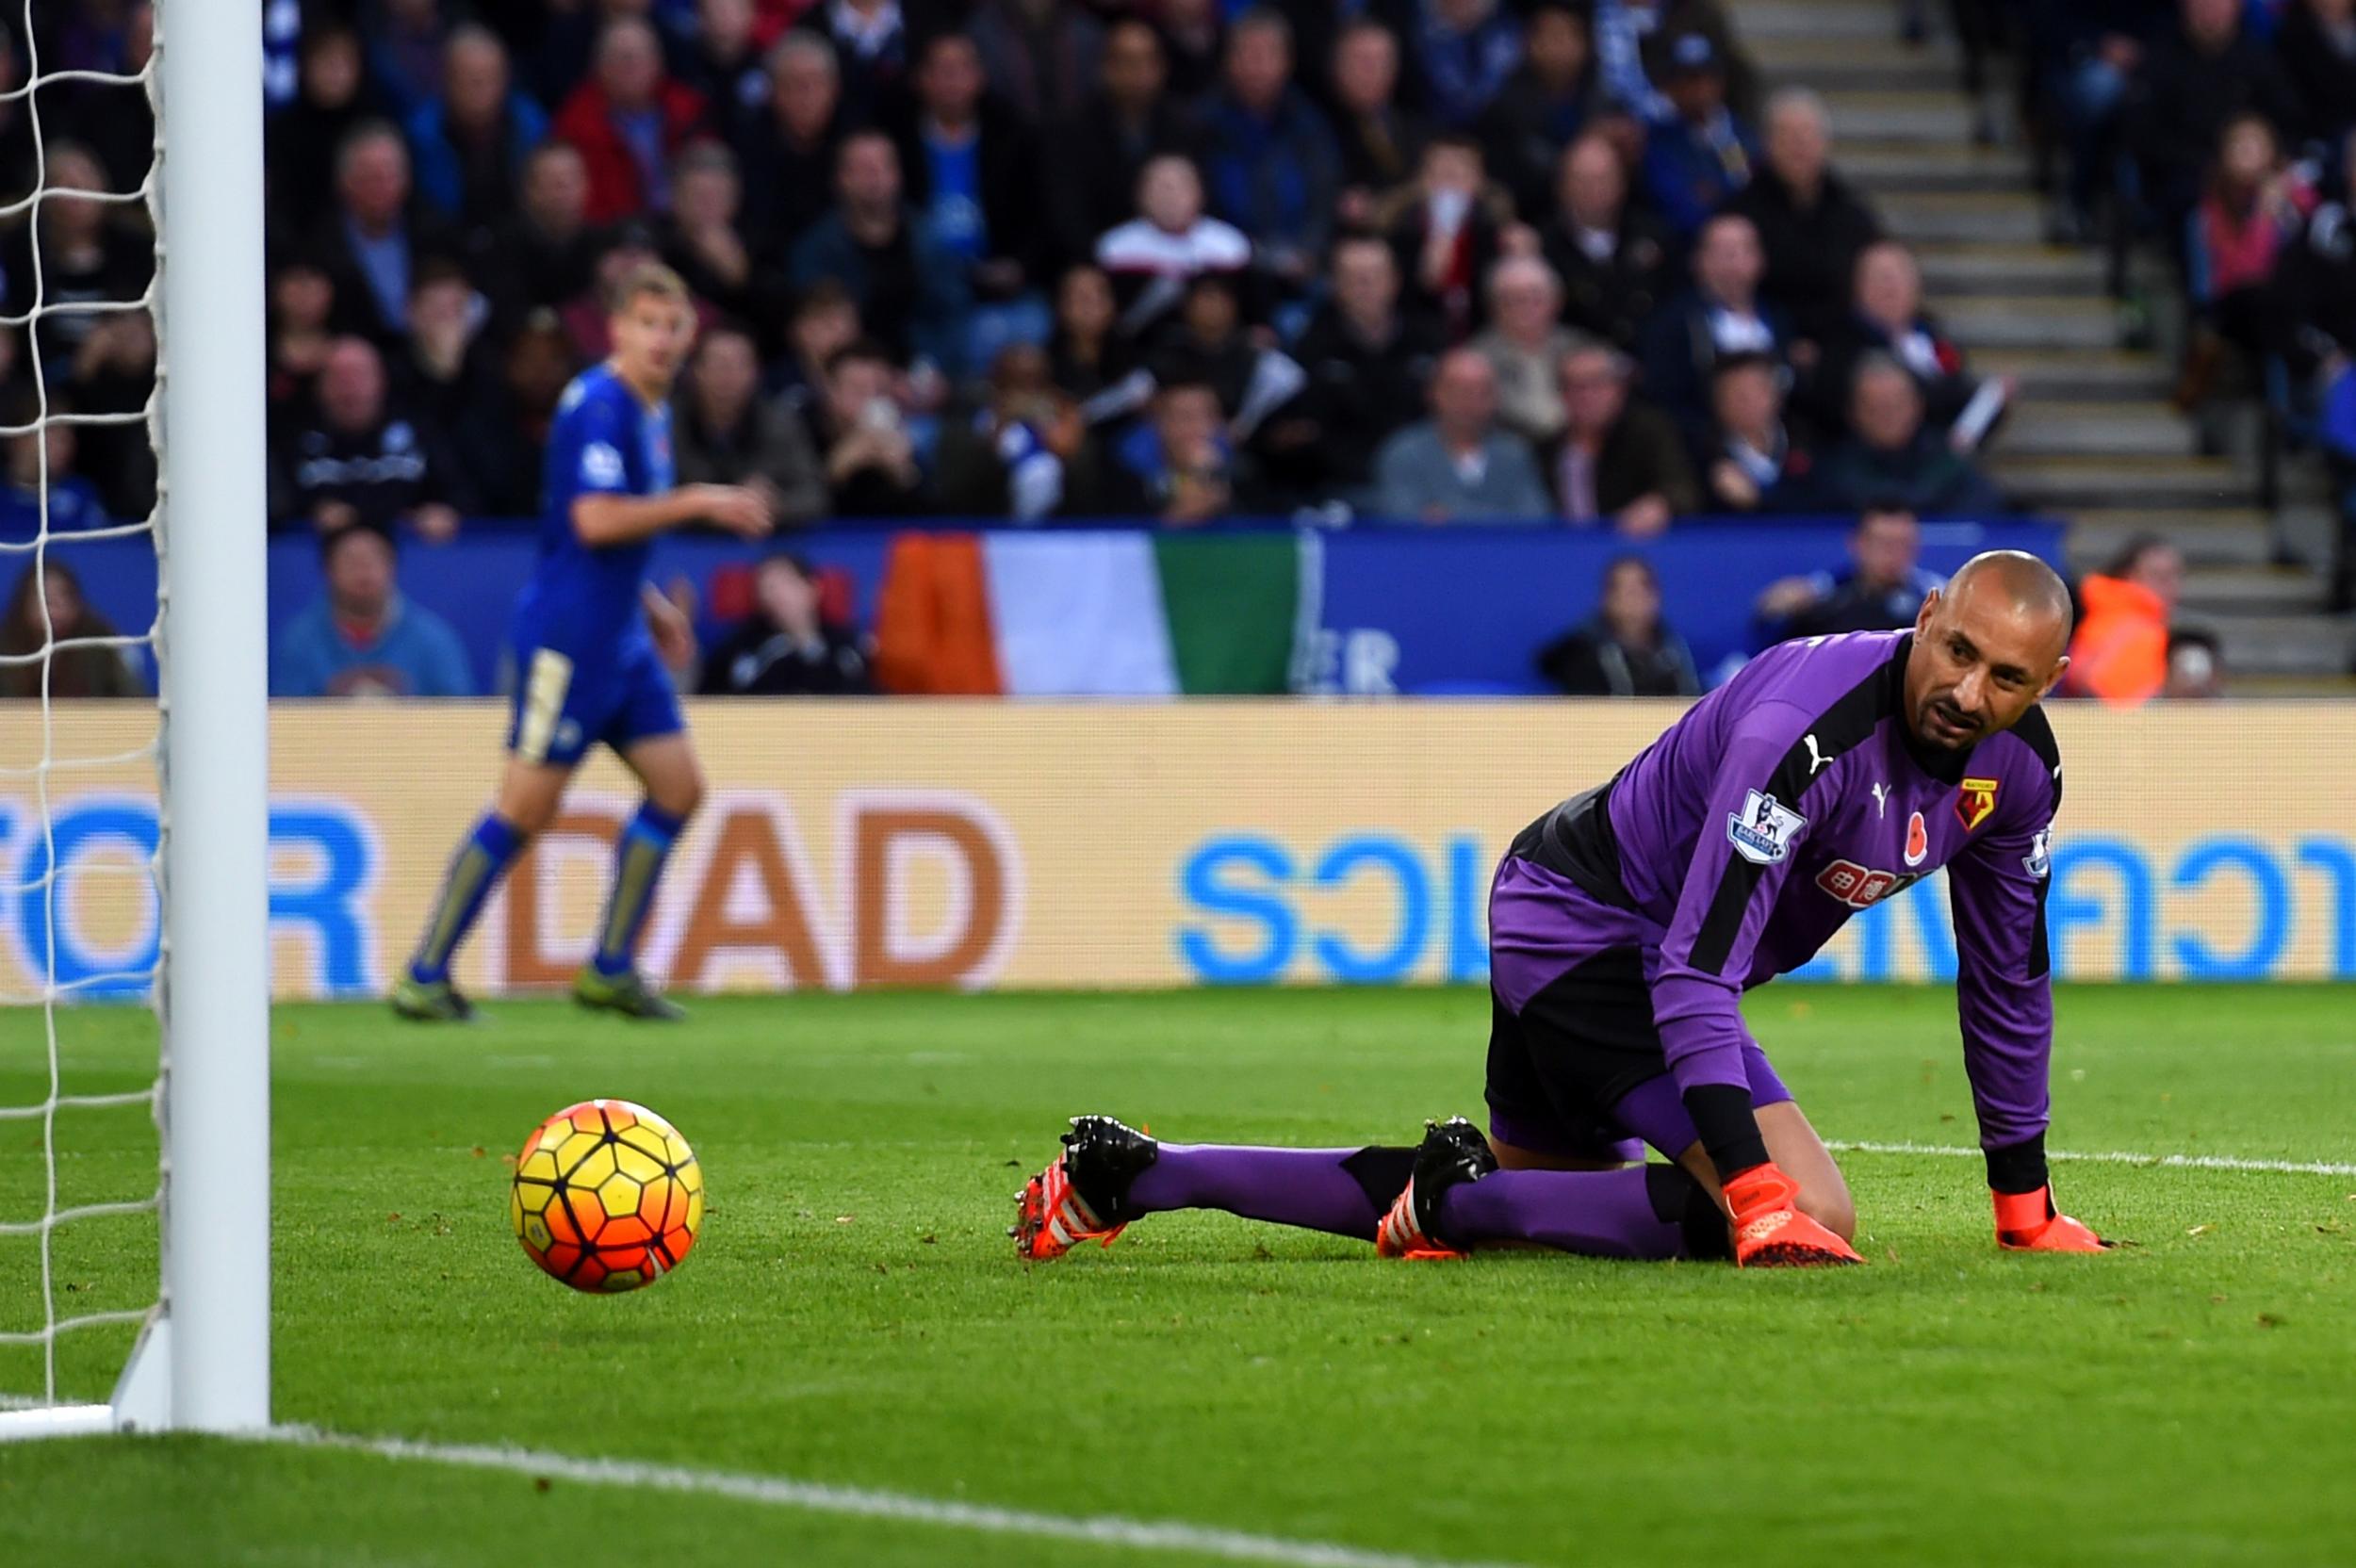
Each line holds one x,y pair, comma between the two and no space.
638,860
481,860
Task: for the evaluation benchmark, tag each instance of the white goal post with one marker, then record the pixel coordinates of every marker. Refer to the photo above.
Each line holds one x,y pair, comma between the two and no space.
203,1358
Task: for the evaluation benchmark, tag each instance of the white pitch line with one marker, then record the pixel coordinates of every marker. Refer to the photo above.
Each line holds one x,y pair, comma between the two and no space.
858,1502
2164,1162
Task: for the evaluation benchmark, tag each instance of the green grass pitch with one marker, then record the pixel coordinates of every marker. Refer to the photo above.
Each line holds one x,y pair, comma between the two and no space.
853,1314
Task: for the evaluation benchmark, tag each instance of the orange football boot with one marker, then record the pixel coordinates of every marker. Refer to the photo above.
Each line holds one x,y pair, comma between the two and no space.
1084,1194
2029,1222
1453,1151
1770,1232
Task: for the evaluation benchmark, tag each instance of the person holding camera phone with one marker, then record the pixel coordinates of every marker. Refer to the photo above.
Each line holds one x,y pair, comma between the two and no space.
871,462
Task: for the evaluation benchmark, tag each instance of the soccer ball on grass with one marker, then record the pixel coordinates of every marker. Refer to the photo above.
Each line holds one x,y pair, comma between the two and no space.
607,1197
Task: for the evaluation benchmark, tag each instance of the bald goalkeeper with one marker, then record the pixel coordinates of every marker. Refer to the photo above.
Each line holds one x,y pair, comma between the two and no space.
1624,925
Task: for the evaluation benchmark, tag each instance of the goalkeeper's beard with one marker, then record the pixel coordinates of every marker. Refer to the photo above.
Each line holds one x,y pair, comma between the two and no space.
1945,724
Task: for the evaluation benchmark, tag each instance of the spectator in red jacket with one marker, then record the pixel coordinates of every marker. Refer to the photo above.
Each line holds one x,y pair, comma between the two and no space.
628,119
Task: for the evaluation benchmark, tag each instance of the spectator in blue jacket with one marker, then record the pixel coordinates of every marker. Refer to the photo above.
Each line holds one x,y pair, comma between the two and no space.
405,39
467,146
1722,314
910,290
1176,465
361,638
1881,589
1269,158
1465,50
1696,160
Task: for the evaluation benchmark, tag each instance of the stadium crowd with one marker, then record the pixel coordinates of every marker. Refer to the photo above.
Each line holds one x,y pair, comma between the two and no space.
1539,261
1427,259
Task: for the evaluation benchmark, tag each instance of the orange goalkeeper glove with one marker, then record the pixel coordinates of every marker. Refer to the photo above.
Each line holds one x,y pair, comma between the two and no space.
2028,1222
1770,1232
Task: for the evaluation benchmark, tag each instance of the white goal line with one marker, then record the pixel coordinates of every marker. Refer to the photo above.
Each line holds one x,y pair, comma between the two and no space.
2156,1162
1110,1531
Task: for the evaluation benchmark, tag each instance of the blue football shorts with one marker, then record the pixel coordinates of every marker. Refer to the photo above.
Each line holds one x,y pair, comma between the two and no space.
562,707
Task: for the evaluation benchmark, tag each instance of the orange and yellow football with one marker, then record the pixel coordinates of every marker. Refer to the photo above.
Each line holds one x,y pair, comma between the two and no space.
608,1196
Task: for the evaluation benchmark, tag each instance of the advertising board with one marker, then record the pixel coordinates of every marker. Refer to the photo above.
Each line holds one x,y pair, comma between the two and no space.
979,843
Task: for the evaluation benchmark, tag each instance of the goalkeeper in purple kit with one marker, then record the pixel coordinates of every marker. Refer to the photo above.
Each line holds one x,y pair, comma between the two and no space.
1626,922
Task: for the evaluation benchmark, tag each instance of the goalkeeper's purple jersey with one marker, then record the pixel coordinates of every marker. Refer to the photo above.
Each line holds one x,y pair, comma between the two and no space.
1794,796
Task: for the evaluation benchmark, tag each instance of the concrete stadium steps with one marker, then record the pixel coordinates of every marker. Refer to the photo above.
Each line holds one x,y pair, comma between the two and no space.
2226,538
2029,321
1971,217
2156,485
2278,645
1888,167
1757,22
2276,688
1960,269
2094,430
2267,590
2306,526
2092,436
1898,115
2053,375
1864,63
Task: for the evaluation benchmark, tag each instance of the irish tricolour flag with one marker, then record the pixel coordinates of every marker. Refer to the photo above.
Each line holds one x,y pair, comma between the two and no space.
1096,613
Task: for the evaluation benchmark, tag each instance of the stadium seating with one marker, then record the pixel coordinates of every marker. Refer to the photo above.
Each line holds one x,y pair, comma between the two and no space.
2155,342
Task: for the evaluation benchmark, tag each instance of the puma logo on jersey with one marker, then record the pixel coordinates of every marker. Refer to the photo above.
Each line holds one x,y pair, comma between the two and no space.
1817,760
1881,802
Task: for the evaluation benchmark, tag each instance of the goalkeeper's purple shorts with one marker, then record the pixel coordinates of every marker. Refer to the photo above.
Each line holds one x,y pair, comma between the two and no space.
1576,1068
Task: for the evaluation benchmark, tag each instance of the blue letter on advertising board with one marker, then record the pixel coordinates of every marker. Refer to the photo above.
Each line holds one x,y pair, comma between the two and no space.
2270,902
1414,928
2337,862
328,906
1216,879
46,906
2067,908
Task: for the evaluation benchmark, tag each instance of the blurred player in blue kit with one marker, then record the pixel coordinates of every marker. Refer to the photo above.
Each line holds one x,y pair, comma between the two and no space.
589,637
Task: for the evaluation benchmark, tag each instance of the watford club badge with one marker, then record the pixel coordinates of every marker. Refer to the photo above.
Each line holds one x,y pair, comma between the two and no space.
1976,802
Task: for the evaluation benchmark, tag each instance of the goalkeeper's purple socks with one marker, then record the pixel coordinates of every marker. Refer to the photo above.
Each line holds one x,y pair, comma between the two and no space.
1639,1212
481,862
1342,1191
1655,1211
638,860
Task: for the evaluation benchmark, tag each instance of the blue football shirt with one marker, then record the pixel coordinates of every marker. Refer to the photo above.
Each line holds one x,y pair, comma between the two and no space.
583,601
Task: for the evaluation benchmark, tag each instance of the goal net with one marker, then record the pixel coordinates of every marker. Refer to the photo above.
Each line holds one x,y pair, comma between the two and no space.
133,1111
